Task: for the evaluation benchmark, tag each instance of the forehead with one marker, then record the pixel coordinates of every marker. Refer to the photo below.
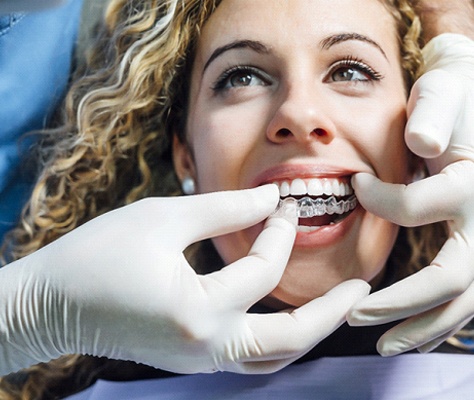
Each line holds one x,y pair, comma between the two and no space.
296,21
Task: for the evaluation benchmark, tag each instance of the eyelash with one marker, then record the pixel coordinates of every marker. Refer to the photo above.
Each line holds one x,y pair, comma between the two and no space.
350,61
360,65
226,75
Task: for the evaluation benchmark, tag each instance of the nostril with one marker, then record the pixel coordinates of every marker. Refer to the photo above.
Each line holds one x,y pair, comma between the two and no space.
284,132
320,132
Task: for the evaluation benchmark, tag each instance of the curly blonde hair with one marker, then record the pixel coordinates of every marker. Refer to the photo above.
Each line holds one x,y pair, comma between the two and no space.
112,145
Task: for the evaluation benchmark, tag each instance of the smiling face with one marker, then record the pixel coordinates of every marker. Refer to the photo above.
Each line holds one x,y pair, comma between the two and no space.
302,93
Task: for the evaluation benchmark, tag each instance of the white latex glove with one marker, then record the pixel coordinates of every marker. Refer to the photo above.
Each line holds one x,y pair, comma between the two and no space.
440,298
119,286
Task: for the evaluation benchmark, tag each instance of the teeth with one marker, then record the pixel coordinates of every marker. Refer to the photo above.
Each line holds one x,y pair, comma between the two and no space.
327,187
285,189
307,228
308,207
314,187
347,189
318,197
298,187
336,188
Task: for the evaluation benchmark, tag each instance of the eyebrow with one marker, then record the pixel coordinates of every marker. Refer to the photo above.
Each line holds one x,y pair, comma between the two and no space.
332,40
259,47
238,44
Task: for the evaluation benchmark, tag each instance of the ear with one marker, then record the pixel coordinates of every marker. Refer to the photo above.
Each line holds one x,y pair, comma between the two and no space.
183,159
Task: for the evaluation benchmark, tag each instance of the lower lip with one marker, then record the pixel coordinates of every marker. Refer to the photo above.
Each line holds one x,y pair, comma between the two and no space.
329,234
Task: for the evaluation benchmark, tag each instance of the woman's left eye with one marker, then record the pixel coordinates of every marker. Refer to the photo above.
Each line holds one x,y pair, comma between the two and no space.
351,70
349,74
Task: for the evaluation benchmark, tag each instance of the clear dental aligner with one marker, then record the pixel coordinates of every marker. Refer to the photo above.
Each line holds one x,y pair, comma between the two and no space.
308,207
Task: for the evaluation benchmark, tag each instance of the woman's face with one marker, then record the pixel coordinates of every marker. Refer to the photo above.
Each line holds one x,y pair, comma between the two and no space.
302,93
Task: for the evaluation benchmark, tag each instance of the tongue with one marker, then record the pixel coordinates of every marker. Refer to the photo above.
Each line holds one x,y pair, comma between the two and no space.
316,221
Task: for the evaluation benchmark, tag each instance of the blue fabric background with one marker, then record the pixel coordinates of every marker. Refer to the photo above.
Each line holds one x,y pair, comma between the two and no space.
36,50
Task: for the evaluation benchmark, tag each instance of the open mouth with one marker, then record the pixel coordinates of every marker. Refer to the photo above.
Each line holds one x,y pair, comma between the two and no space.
320,201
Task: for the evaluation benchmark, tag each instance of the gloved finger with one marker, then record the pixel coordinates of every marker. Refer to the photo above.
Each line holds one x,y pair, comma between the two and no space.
428,330
212,214
265,367
436,198
314,325
249,279
286,336
449,275
392,345
433,344
433,108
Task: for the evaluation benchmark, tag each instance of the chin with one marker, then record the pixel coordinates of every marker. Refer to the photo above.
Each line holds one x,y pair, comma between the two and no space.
309,277
356,248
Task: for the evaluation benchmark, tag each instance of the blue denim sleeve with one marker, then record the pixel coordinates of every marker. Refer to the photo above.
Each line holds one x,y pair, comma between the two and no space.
35,58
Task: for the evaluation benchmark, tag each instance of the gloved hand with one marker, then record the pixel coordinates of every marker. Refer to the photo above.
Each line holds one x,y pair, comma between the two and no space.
120,286
440,298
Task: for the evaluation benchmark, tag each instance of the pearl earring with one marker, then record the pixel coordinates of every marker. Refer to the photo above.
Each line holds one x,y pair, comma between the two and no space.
188,185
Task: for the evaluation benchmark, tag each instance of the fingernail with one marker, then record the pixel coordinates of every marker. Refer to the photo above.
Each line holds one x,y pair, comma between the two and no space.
362,178
287,209
424,145
389,350
356,318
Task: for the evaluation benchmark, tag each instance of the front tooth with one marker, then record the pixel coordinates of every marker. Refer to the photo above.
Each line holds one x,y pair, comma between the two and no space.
315,187
327,187
298,187
284,189
336,191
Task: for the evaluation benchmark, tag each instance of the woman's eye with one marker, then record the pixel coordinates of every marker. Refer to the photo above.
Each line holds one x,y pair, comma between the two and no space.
349,74
353,70
244,79
240,77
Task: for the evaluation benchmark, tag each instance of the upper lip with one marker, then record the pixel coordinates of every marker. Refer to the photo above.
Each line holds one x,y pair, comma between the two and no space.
283,172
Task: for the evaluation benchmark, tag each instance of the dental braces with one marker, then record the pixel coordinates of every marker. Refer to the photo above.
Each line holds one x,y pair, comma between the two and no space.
308,207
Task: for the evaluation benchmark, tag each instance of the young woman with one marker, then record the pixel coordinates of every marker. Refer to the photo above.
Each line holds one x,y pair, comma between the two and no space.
235,95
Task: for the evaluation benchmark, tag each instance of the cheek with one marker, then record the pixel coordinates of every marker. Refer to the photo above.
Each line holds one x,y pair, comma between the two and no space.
382,142
222,142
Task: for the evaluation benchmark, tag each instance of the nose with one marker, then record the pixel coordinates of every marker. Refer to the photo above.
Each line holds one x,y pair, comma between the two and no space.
301,116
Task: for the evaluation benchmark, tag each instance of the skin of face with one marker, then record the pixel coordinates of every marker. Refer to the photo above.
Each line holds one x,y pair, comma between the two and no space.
287,89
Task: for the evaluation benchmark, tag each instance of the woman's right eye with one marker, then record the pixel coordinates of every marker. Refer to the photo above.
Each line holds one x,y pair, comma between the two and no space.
238,77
